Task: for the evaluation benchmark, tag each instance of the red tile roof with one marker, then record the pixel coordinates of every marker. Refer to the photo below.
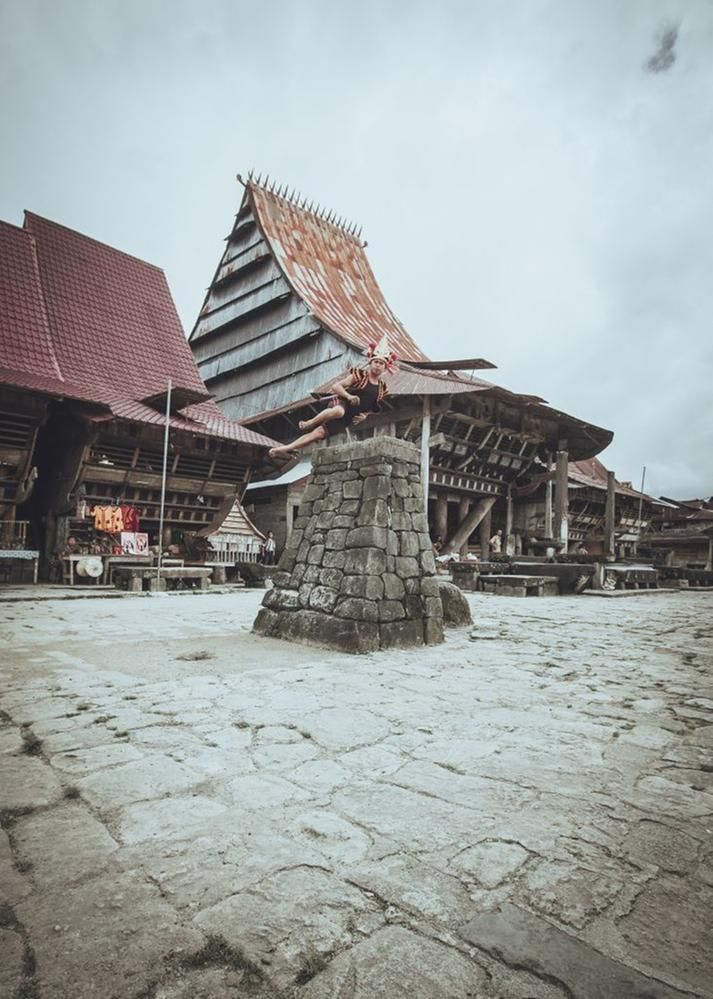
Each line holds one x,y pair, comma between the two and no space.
26,344
591,472
325,264
81,319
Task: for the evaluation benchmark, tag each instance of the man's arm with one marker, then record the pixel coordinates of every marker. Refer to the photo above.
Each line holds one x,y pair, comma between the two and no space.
340,389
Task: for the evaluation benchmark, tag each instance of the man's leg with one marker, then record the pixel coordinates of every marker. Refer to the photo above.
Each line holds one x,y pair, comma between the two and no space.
314,435
332,413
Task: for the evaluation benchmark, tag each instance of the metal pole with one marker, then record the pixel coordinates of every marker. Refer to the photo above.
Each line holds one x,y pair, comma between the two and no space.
163,487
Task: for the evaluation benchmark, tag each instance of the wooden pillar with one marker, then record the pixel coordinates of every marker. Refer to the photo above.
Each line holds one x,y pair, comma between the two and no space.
508,540
440,520
548,498
466,527
486,525
425,451
463,509
709,561
561,525
610,517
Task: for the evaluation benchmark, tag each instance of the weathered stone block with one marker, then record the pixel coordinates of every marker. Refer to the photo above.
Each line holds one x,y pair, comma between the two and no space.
430,586
401,521
366,537
282,599
316,628
391,610
420,522
408,544
331,577
343,520
393,587
349,507
335,539
334,560
332,502
414,606
304,593
406,567
281,579
312,574
323,598
401,634
434,607
370,561
315,555
376,487
357,609
373,512
267,622
456,609
367,587
424,542
433,630
428,563
295,538
401,487
392,543
325,519
297,575
352,489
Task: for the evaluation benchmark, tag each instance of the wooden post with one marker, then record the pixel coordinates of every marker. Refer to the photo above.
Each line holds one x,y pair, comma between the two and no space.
486,526
425,452
709,561
463,508
561,525
440,523
548,499
466,527
508,540
610,517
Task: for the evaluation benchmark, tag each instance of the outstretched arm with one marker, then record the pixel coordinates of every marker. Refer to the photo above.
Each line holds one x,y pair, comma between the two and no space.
341,389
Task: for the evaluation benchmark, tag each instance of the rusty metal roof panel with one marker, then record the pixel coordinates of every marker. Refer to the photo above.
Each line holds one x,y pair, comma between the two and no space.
325,263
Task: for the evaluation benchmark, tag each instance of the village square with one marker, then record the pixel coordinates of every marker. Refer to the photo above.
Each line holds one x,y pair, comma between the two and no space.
347,656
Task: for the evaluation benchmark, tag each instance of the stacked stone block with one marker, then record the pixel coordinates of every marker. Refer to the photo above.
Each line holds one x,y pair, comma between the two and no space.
358,572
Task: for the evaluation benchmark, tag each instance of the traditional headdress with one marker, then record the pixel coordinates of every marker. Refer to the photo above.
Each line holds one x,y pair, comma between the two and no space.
381,349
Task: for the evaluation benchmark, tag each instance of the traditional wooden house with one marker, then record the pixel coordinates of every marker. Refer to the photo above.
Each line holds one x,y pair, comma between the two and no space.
89,339
294,303
681,533
605,516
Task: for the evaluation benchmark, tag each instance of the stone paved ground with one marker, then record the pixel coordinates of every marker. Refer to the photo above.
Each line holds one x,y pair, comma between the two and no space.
522,814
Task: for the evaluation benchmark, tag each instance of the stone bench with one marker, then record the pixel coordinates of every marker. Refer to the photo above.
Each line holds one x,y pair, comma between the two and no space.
133,577
465,574
511,585
622,577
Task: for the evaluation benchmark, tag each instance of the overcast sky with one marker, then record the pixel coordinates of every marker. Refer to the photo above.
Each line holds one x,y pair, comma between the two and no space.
534,177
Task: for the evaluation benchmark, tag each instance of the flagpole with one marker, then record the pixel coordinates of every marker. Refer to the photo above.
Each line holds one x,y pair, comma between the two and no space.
163,487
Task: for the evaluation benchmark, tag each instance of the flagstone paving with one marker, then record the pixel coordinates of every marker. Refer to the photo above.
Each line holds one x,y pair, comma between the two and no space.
189,810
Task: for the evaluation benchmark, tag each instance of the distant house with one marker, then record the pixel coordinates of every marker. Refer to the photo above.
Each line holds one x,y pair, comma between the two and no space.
89,338
292,306
681,533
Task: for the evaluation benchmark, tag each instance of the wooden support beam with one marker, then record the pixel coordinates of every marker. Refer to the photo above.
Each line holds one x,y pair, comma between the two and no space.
468,525
486,526
561,525
440,524
463,510
548,498
508,524
610,516
425,452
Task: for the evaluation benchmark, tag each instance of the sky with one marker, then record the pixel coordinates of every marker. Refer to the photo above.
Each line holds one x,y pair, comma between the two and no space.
534,177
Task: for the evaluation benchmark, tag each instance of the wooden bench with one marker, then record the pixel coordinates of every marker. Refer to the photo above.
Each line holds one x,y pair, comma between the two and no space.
133,577
519,586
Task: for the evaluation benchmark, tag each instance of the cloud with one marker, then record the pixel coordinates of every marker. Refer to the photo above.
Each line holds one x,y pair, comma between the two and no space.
665,55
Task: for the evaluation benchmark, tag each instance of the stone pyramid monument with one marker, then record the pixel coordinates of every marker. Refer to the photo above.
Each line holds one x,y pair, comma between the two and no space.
358,572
